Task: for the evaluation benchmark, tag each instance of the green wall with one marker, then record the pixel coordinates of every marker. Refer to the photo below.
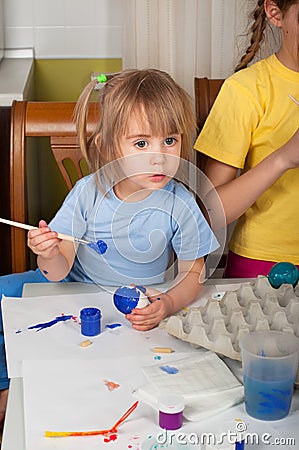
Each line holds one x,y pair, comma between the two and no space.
60,79
57,80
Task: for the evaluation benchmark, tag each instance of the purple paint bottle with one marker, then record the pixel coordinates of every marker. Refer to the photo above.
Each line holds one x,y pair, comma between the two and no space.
171,409
90,321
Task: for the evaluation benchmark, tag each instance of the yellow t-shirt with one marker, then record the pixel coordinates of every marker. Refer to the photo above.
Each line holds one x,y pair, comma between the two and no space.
251,118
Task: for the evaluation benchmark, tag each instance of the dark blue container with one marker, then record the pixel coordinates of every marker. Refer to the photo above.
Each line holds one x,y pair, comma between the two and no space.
90,321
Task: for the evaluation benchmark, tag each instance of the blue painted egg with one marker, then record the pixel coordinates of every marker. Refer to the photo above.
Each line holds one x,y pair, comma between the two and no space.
283,273
126,298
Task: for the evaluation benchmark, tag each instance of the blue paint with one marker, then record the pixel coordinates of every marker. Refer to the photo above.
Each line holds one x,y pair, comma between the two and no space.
240,445
170,370
100,246
142,289
42,326
268,400
126,299
45,272
90,321
157,357
283,272
113,325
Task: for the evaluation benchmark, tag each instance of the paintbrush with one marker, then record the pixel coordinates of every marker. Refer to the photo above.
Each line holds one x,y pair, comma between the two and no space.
293,98
99,246
112,430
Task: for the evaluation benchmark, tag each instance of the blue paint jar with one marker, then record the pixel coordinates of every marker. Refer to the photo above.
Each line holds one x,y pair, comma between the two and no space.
90,321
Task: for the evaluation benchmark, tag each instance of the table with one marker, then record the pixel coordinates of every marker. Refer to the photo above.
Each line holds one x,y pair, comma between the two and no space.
14,432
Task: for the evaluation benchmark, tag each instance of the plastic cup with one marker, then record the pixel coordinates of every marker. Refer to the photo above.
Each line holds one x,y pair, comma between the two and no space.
270,362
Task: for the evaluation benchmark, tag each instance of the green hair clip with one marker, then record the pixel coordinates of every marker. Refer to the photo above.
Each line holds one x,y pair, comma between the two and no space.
102,78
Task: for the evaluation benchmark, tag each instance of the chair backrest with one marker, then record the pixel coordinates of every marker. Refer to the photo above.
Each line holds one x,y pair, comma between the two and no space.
205,91
53,120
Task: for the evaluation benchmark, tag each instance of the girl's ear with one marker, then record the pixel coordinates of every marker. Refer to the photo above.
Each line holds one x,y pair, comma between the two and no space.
273,13
97,141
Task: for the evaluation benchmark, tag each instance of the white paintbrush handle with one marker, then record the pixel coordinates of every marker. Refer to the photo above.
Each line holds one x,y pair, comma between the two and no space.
294,100
17,224
62,236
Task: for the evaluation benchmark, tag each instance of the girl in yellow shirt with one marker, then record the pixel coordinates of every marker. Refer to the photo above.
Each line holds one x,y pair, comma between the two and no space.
253,128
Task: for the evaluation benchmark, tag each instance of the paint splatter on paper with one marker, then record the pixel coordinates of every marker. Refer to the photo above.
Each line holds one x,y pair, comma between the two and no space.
134,443
42,326
111,385
170,370
111,437
111,326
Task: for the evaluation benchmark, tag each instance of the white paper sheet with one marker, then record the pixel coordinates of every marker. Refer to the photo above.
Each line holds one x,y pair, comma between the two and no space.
62,340
71,395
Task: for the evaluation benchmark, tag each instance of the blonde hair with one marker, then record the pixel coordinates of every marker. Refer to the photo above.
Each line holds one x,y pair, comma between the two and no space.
167,106
258,29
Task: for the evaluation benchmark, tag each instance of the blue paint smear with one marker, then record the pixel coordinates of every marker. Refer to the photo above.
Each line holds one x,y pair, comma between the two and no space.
100,246
42,326
45,272
170,370
113,325
142,289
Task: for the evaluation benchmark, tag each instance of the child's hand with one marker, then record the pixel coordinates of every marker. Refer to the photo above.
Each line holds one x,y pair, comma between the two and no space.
44,242
143,319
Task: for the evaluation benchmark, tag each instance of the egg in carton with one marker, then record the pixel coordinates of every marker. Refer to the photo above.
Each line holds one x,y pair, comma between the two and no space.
219,324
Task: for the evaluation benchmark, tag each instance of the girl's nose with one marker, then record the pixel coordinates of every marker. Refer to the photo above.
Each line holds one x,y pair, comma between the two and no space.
157,157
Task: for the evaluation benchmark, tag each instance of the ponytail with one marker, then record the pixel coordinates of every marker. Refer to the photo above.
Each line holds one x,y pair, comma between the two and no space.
257,35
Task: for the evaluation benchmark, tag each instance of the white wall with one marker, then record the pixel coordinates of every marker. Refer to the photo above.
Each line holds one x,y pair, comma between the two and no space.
65,28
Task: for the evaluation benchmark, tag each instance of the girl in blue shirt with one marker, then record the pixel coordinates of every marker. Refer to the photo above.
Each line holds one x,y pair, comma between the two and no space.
131,201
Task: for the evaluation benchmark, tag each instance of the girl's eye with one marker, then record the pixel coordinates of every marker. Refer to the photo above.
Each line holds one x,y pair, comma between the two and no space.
170,141
141,144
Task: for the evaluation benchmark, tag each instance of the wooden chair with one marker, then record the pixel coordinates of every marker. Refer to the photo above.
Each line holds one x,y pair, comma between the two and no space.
53,120
205,91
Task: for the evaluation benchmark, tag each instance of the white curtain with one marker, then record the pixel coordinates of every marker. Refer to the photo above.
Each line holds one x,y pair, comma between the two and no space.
186,38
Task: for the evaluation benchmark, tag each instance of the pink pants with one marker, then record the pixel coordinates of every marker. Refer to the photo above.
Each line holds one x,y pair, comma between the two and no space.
240,267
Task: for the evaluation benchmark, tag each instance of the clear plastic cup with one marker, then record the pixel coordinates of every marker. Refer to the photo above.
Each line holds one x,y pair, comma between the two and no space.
270,362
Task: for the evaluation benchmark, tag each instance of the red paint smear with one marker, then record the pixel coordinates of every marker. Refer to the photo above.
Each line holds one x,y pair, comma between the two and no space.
111,385
111,437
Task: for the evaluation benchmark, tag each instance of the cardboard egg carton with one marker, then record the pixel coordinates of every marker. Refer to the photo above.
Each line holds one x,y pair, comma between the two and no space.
219,325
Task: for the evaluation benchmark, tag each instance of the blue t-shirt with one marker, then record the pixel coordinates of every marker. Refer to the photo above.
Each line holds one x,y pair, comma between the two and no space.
141,236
